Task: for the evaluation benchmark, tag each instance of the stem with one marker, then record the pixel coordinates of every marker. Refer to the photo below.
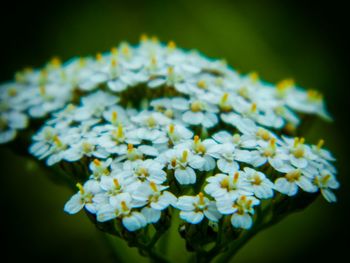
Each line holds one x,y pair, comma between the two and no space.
163,246
154,255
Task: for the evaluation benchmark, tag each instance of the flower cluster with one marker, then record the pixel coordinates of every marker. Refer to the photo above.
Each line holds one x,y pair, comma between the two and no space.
161,128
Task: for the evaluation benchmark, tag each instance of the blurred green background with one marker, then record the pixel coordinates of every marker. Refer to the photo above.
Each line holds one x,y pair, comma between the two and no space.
278,39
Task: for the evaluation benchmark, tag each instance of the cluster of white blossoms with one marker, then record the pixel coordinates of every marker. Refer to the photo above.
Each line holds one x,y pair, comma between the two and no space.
160,127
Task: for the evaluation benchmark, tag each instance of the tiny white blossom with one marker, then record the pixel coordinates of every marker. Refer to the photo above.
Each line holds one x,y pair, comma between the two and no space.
194,208
121,206
10,122
326,182
232,185
260,185
183,162
84,198
293,179
155,198
299,153
99,168
241,210
143,170
226,157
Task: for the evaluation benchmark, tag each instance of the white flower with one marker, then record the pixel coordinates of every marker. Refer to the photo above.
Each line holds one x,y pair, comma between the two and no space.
321,153
261,186
307,102
94,105
85,147
299,153
112,139
253,135
114,184
83,198
325,182
63,118
170,76
143,170
224,137
155,198
177,133
46,98
293,179
151,120
99,168
194,208
121,207
232,185
269,151
226,157
198,112
201,148
140,135
43,141
132,154
116,116
184,163
240,208
56,151
163,105
10,122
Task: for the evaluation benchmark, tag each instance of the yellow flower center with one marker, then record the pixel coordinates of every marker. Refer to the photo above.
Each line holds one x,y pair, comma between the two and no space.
196,106
293,175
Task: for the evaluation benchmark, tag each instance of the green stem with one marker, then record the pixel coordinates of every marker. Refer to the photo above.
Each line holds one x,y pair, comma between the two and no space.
163,246
153,255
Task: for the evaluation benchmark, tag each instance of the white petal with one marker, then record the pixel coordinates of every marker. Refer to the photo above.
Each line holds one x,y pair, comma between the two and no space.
306,185
148,150
329,195
6,136
180,104
134,221
263,192
74,205
151,215
209,163
222,137
241,221
224,206
106,213
196,162
117,85
298,162
157,176
72,155
156,83
210,120
285,187
55,158
212,213
164,201
193,118
185,176
227,167
186,203
191,217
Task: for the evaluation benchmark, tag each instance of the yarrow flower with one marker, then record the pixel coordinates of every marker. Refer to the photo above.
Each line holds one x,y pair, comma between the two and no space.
152,131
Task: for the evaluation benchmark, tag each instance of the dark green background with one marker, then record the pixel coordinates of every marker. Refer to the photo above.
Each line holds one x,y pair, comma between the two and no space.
278,39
